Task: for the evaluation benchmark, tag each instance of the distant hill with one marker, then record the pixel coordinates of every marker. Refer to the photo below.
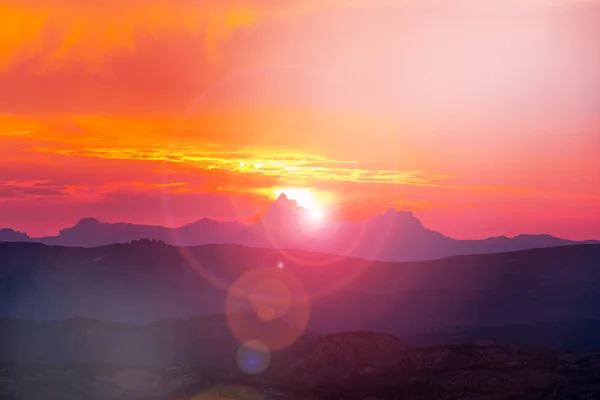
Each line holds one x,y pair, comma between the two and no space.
392,236
146,281
90,232
9,235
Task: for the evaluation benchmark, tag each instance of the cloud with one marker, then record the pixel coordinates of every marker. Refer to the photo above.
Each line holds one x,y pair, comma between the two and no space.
286,166
86,31
407,59
34,188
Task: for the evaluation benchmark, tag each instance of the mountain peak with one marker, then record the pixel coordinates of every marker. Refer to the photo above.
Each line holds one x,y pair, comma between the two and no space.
399,214
82,228
398,219
10,235
282,197
284,201
203,222
282,209
88,222
404,213
285,222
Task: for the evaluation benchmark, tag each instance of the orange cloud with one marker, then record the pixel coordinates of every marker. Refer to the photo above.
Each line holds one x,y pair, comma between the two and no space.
155,56
86,31
61,31
286,166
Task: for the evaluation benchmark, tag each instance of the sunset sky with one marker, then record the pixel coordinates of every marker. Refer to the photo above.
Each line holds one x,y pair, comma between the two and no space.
483,119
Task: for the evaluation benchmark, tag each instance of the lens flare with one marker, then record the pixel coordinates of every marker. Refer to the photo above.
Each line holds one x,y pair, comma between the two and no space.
266,313
253,357
270,297
278,308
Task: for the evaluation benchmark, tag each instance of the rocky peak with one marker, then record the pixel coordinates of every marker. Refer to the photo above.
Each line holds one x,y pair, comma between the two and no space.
397,219
284,213
88,222
10,235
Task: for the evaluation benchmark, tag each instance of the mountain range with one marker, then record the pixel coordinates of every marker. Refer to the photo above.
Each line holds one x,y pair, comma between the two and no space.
392,236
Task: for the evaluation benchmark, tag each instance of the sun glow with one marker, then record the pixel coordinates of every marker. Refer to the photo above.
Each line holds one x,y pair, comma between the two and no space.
305,198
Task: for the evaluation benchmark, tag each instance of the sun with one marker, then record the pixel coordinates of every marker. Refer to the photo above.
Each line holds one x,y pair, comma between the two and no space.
306,199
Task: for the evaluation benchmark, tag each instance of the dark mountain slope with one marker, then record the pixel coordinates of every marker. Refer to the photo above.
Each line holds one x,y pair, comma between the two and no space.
145,281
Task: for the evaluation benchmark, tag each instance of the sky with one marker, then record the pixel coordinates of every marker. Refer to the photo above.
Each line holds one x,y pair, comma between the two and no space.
482,117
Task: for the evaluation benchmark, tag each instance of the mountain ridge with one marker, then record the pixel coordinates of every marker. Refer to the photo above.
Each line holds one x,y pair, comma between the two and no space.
150,281
395,235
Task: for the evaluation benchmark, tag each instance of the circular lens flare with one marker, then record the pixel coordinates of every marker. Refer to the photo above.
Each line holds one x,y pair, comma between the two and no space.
278,308
271,296
253,357
266,313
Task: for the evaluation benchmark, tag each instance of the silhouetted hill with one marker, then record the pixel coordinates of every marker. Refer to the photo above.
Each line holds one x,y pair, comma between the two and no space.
392,236
395,236
9,235
90,232
147,281
285,225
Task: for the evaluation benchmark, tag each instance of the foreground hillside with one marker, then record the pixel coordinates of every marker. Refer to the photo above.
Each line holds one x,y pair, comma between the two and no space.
209,342
349,366
204,342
